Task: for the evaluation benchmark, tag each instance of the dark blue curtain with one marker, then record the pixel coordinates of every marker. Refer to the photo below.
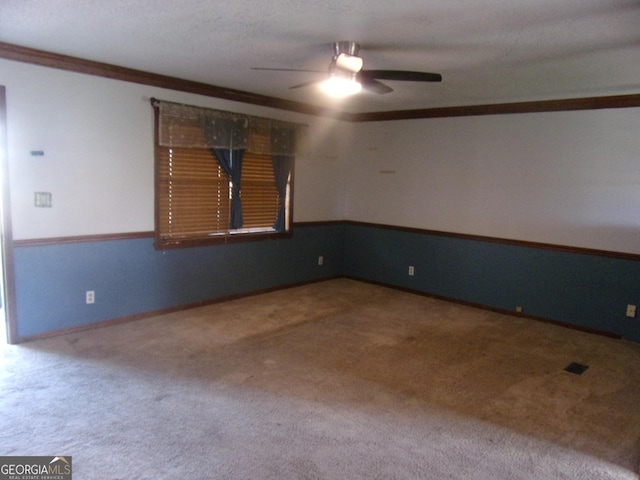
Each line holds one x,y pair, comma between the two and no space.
231,163
281,170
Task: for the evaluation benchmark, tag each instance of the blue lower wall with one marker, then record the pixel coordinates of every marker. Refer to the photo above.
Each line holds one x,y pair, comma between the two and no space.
130,277
582,289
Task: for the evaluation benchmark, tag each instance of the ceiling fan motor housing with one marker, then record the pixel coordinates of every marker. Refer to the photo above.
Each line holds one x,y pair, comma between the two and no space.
345,61
350,48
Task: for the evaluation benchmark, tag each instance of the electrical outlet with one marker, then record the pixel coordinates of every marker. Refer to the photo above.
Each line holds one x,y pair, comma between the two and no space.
631,311
90,297
320,260
518,309
411,270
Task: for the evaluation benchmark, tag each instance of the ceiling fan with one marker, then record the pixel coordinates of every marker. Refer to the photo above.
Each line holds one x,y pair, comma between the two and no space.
345,72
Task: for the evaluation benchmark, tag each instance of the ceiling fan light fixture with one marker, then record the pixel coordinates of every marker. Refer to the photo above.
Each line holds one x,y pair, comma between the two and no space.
349,63
341,86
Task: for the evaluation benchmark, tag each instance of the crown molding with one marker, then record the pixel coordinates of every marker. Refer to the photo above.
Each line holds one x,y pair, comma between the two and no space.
74,64
562,105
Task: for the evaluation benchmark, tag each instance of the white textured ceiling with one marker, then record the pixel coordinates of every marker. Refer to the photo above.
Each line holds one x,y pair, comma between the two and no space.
488,51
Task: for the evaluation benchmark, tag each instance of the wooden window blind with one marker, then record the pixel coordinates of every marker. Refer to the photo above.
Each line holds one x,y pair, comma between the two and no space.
260,202
193,197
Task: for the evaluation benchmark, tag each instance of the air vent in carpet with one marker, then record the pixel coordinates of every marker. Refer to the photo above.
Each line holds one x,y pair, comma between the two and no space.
576,368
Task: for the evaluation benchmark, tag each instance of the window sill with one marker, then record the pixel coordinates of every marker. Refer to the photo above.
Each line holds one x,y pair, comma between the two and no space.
239,236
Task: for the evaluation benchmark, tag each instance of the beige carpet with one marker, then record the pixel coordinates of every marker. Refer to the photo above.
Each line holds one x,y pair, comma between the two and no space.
334,380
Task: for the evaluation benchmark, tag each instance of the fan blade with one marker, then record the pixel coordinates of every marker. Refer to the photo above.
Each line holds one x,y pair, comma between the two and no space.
370,84
373,85
402,75
306,84
288,70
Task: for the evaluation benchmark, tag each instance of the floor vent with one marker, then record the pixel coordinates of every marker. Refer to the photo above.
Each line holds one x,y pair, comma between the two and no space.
576,368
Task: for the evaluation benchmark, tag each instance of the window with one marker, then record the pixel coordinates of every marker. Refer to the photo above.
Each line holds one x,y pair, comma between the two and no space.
221,177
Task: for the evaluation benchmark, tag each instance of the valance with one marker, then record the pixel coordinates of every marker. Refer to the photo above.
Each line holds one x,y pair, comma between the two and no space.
196,127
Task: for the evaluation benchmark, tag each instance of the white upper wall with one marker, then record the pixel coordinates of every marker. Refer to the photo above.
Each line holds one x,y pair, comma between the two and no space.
98,163
567,178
